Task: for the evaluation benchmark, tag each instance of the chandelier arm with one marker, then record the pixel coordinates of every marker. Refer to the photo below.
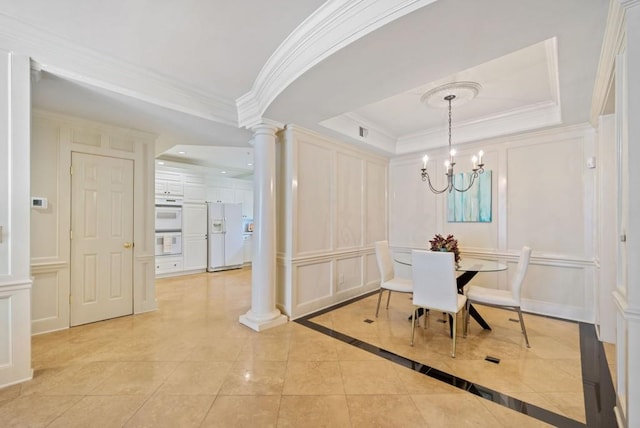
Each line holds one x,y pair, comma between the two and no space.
474,175
427,178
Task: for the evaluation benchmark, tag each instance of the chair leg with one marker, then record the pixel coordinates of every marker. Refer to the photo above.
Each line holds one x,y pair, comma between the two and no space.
453,345
413,324
524,330
388,299
379,297
465,319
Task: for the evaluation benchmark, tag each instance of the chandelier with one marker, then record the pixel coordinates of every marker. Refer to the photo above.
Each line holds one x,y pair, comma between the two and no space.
465,91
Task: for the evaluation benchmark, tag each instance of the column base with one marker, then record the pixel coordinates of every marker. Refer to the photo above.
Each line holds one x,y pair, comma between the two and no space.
260,325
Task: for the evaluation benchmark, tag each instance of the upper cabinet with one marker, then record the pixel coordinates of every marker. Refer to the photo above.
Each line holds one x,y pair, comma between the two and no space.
169,185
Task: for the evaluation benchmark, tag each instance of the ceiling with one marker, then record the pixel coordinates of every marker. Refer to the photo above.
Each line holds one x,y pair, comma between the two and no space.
193,71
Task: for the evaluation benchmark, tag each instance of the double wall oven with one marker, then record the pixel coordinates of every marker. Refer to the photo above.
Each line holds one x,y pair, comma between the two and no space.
168,226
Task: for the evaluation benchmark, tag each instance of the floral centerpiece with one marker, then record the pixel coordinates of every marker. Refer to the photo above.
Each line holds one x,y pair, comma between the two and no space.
450,244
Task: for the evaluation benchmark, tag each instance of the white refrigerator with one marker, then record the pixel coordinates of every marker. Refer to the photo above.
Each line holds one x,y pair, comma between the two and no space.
225,236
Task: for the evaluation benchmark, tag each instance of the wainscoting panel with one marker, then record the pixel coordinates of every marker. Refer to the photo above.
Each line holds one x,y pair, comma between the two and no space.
549,202
314,198
349,274
314,282
349,201
376,202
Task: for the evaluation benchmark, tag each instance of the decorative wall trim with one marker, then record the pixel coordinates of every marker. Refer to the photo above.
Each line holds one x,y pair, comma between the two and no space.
9,287
40,268
612,44
324,257
330,28
65,58
629,314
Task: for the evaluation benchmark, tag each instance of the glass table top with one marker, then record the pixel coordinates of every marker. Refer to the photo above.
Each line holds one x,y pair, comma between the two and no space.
467,264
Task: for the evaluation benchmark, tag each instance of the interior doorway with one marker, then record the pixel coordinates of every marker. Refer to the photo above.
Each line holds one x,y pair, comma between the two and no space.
101,238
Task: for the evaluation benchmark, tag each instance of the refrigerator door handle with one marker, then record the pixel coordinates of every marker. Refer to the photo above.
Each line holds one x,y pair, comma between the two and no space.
224,225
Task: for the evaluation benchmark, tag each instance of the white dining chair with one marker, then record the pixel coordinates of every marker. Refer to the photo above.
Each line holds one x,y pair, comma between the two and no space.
504,299
388,280
434,287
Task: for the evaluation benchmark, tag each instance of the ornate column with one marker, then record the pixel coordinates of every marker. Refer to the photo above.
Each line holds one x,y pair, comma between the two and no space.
263,313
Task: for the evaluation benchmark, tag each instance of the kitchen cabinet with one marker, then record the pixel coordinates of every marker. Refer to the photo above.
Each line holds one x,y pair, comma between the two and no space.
169,188
168,264
195,192
194,236
247,247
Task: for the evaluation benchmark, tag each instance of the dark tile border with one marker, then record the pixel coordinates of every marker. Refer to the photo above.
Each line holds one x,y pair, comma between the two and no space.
598,387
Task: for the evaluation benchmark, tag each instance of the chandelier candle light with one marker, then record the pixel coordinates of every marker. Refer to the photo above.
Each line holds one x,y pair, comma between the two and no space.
471,90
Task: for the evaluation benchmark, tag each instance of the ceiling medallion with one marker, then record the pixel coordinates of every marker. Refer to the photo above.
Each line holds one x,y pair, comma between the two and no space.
462,91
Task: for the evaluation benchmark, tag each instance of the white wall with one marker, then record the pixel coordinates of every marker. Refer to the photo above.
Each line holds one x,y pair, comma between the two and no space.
331,209
542,196
54,138
15,283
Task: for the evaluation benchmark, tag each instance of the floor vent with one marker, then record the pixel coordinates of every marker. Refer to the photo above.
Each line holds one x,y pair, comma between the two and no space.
494,360
514,320
368,321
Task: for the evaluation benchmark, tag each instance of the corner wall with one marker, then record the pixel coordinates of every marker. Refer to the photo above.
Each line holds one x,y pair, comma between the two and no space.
332,207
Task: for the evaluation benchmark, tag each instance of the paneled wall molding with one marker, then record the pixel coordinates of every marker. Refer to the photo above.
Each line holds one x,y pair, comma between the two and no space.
67,59
40,268
330,28
326,141
318,258
9,287
628,313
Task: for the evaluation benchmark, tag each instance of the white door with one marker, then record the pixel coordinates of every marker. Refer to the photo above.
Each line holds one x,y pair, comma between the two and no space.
102,238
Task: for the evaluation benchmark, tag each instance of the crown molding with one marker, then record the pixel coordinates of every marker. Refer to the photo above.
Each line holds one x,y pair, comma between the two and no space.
532,117
349,124
66,59
334,25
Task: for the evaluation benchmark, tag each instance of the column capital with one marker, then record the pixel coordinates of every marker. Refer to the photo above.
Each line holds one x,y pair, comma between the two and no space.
266,126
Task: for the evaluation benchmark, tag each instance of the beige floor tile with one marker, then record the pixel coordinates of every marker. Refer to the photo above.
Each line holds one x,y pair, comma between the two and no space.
418,383
196,378
34,410
243,412
134,378
313,350
171,411
99,411
570,404
313,411
395,411
371,377
313,378
511,418
454,410
219,349
265,348
255,378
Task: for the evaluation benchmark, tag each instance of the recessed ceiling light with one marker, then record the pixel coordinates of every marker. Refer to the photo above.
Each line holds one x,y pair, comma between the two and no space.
181,152
160,163
223,172
249,164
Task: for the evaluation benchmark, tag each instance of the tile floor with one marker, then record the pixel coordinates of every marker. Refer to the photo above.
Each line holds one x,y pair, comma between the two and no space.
191,364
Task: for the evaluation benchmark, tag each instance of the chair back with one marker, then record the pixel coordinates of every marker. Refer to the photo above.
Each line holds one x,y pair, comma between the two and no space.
385,262
518,279
434,280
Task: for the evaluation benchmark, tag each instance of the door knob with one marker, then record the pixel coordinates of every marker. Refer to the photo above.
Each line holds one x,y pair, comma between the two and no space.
128,245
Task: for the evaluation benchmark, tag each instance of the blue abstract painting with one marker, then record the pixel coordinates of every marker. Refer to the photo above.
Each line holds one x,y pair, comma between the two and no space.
474,205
